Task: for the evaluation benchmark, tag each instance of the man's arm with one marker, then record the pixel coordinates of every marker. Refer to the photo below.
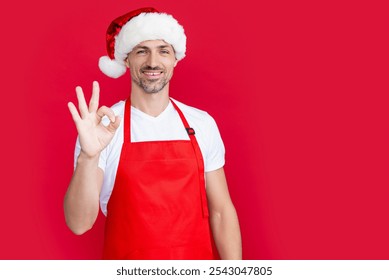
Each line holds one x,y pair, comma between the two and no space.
81,203
223,217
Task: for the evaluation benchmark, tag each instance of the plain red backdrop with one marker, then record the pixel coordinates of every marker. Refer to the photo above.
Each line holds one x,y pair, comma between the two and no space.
299,90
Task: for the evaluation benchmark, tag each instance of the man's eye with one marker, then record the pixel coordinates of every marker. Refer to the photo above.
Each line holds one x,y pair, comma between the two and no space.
140,52
165,51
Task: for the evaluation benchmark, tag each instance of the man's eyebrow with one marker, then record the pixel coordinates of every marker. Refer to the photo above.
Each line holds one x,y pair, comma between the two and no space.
163,46
146,48
141,47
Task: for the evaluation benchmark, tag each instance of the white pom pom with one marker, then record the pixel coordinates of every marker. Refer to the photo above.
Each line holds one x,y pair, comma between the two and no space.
111,68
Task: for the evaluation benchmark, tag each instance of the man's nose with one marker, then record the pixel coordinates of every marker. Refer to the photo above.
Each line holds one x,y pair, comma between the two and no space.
152,60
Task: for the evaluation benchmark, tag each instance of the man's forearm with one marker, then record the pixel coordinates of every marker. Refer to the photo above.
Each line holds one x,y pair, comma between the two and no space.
81,203
226,232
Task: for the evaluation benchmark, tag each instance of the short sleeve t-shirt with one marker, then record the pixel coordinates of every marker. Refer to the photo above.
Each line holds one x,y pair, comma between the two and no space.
166,126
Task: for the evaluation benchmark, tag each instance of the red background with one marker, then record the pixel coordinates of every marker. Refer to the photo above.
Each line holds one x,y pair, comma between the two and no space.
299,90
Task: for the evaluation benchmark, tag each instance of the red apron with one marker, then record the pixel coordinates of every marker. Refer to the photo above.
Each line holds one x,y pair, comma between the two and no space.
158,207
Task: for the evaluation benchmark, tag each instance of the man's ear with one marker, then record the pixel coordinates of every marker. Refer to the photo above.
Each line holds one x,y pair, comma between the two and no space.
127,63
175,63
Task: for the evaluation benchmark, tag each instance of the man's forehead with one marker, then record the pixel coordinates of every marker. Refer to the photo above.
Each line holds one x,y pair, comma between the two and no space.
153,44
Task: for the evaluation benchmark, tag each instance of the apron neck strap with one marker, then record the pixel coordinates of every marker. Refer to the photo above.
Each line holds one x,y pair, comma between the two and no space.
127,121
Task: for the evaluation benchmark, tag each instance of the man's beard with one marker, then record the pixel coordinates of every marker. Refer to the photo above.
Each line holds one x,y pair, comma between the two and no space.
151,86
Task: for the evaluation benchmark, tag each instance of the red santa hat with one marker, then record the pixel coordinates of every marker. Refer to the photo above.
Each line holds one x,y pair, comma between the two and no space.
127,31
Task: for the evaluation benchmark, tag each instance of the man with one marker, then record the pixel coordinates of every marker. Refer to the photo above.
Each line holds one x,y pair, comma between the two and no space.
154,164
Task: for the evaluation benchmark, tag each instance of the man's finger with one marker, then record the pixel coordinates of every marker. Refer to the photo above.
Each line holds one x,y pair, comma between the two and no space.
94,101
73,111
114,125
105,111
81,102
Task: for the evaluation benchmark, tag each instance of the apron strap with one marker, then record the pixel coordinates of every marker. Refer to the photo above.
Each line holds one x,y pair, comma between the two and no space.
127,116
199,157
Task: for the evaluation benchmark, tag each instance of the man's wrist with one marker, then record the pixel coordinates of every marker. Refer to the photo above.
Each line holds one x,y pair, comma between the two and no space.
83,157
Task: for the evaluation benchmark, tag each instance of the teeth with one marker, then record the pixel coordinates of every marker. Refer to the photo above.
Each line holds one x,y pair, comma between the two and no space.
152,73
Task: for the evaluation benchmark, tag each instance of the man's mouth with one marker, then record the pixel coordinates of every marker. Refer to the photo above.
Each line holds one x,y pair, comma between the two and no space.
152,74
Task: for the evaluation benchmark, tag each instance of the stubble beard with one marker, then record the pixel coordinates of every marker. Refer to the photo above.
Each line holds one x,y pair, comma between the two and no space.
151,86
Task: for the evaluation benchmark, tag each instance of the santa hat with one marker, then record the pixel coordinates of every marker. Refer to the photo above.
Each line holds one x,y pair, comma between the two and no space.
127,31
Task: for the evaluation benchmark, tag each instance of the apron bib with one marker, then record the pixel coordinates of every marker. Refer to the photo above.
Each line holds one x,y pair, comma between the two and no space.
158,207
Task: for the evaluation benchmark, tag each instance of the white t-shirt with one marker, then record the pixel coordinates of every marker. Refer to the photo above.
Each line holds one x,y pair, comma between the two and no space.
166,126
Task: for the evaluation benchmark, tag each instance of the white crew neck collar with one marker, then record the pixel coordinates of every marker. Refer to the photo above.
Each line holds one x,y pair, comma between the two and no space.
162,115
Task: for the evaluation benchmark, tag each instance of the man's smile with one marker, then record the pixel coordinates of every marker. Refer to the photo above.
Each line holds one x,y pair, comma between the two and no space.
152,74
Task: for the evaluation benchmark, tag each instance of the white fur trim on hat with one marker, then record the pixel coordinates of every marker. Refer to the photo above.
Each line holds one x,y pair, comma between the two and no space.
111,68
150,26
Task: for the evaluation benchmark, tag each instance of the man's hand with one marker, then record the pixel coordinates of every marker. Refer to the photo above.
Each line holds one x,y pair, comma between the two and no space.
94,136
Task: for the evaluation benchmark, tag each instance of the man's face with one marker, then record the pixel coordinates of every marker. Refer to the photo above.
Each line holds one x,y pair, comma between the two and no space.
151,64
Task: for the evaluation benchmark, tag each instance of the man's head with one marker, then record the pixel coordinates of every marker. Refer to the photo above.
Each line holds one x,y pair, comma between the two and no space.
128,31
151,65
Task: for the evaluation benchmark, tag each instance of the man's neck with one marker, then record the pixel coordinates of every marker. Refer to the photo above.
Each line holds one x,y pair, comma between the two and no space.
152,104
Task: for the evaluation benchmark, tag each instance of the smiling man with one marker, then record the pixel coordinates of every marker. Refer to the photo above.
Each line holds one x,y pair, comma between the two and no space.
153,165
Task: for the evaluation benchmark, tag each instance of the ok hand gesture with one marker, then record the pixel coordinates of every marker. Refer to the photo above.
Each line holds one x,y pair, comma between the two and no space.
94,136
